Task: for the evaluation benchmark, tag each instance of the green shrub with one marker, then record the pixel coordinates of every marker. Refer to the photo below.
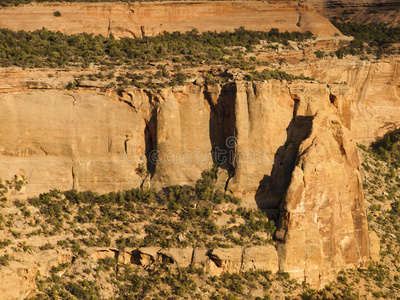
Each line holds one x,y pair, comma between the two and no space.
378,36
4,259
4,243
319,53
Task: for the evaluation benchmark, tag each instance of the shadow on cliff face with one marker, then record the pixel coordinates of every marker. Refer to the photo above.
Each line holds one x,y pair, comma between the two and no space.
150,135
222,126
272,188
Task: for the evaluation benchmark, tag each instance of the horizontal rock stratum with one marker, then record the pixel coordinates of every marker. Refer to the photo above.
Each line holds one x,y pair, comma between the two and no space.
149,19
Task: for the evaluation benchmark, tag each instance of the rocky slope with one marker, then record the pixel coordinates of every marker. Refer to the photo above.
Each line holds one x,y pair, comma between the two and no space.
360,11
149,19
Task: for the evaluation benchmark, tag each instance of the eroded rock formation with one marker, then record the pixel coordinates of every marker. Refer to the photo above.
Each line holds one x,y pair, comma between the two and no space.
149,19
284,148
369,92
322,220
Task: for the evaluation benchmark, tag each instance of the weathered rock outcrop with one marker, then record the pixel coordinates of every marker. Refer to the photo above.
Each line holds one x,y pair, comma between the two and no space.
283,147
149,19
370,92
92,140
18,278
63,140
322,221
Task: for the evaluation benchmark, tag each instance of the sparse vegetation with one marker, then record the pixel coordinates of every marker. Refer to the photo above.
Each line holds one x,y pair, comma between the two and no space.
182,216
180,51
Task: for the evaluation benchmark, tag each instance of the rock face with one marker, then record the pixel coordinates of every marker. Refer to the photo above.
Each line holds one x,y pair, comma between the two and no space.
282,147
322,221
18,277
70,140
370,93
92,140
149,19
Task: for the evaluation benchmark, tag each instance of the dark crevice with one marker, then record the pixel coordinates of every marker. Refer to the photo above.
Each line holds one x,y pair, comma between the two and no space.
73,177
222,127
44,151
126,144
253,85
130,105
165,259
333,99
150,135
231,174
296,100
109,28
110,146
215,259
136,257
299,21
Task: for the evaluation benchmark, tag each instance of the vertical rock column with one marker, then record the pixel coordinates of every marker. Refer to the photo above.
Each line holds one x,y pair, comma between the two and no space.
322,225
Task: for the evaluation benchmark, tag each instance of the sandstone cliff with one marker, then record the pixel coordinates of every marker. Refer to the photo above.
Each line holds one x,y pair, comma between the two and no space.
369,91
282,147
96,140
322,220
149,19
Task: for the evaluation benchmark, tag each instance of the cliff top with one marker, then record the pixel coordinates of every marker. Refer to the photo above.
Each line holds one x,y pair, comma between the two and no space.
150,19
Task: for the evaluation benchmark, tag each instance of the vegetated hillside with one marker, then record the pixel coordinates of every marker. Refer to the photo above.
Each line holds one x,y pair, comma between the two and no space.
169,53
98,235
379,39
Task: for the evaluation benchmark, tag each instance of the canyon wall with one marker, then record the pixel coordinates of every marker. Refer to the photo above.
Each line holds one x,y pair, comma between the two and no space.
323,225
360,11
370,91
97,140
283,147
149,19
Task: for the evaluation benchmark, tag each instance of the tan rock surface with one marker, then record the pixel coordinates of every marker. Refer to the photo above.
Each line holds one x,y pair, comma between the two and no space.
370,89
183,136
260,258
66,140
149,19
101,253
18,277
224,260
323,221
181,258
145,256
374,249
